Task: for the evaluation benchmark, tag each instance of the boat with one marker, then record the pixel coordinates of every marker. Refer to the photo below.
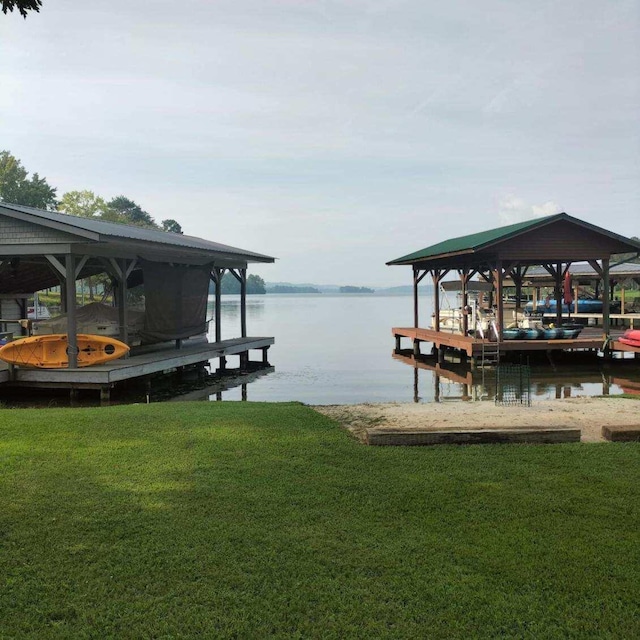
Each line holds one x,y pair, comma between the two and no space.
533,334
38,312
631,337
552,333
569,333
585,305
512,334
50,351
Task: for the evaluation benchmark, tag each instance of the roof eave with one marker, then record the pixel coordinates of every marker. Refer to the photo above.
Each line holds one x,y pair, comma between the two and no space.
50,224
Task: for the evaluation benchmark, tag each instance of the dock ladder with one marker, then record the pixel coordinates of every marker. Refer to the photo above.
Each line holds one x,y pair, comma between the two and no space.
490,354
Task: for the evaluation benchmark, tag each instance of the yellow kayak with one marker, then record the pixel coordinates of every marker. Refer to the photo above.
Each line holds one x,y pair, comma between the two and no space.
50,351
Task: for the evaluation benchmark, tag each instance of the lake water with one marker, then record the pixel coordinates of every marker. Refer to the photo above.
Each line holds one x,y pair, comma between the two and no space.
337,349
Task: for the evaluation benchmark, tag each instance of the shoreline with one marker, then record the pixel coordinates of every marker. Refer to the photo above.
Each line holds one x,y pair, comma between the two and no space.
588,414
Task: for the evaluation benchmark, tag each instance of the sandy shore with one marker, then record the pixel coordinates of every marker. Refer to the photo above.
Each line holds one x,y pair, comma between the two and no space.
587,414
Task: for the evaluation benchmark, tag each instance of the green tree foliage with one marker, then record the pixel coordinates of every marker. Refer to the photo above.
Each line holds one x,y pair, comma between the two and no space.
171,226
350,289
85,204
17,188
21,5
132,212
286,288
230,284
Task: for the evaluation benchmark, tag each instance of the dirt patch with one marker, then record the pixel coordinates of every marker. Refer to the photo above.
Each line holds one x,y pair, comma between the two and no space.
587,414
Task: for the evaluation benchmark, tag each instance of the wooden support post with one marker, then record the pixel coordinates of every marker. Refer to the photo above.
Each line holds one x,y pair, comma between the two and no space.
464,280
606,305
558,293
244,361
416,397
73,396
415,297
265,356
243,302
122,302
217,278
498,278
72,330
105,395
436,299
518,276
244,392
397,342
416,347
223,364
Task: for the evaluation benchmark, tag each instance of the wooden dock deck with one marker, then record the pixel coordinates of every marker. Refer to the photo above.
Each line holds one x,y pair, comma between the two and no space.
143,362
590,339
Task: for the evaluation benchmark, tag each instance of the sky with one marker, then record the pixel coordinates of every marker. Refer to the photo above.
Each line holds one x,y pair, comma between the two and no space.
333,135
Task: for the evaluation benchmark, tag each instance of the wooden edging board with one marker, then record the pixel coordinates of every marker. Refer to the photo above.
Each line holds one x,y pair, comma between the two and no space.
621,432
489,435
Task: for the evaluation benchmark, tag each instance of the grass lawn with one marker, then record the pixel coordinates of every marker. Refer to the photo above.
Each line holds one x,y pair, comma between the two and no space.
248,520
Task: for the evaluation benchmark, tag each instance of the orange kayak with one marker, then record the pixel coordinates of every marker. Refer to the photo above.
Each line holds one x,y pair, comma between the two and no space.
50,351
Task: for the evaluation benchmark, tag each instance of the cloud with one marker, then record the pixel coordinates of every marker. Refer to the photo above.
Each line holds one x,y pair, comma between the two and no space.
513,209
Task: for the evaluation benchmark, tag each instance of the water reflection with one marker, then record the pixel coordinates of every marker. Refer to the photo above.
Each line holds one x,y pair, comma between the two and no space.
453,379
230,313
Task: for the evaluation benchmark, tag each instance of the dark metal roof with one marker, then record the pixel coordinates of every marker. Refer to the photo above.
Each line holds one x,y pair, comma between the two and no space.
103,231
585,270
483,240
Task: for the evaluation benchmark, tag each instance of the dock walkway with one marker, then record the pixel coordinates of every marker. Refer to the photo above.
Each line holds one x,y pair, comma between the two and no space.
591,339
144,361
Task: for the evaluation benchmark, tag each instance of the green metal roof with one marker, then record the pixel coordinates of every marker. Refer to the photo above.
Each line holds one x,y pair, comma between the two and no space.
475,241
484,239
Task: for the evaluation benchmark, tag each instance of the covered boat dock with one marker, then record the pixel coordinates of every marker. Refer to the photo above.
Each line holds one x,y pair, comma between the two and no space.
506,255
43,249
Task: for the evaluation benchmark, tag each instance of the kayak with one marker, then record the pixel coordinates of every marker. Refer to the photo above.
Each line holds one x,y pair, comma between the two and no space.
50,351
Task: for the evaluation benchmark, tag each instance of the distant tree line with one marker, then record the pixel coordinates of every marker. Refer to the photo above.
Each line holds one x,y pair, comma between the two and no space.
230,284
284,288
16,187
349,289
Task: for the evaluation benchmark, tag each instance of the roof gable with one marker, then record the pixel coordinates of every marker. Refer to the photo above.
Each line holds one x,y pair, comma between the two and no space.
485,240
99,230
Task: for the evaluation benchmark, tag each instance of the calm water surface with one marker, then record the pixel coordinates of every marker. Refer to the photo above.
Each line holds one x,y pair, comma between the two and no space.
338,350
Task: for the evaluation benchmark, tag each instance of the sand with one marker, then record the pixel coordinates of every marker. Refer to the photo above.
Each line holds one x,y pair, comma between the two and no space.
587,414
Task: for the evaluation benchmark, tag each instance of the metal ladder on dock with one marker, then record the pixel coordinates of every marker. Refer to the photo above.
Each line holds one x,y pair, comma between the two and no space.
490,353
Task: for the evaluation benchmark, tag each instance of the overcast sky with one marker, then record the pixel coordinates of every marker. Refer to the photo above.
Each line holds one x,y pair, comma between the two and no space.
333,135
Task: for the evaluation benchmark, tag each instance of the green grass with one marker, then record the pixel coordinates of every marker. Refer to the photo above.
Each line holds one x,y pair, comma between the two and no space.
242,520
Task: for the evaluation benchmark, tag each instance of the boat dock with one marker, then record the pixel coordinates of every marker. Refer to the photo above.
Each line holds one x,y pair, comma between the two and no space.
591,339
143,362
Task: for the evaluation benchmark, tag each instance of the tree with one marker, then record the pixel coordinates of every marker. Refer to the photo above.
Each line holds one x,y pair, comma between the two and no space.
22,5
132,212
230,284
171,226
85,204
17,188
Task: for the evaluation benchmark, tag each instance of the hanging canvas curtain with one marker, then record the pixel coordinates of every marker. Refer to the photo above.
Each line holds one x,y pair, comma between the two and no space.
175,300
